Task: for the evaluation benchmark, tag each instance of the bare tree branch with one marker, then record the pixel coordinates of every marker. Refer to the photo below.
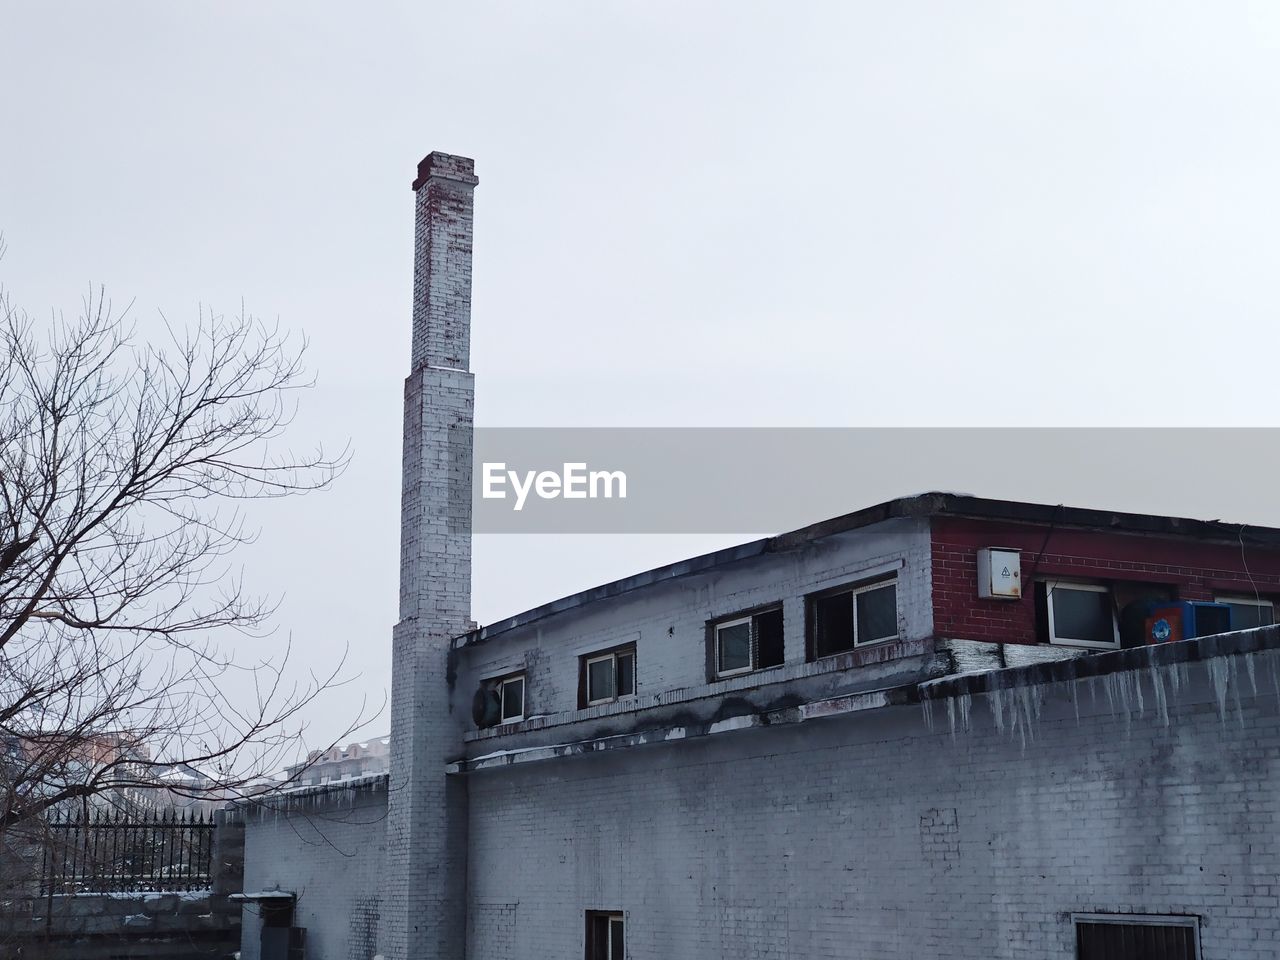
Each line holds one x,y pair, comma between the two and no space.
122,469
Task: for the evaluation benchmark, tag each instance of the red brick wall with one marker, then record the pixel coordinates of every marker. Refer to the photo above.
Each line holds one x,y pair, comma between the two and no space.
1194,570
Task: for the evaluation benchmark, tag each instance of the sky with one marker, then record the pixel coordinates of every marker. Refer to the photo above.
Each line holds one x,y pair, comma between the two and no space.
711,214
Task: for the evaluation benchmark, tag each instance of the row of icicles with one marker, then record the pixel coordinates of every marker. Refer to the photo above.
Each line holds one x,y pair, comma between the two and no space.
1129,693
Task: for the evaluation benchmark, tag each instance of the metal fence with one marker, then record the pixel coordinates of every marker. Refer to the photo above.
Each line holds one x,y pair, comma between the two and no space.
118,853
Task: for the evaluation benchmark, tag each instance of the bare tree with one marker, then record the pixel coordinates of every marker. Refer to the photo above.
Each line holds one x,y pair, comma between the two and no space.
123,468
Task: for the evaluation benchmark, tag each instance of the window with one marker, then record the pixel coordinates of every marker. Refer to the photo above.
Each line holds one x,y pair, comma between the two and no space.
499,700
512,695
852,616
1080,614
1130,937
1248,612
605,936
605,676
743,643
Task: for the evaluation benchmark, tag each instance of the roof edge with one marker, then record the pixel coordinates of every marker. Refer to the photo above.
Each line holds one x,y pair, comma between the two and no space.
919,506
1072,669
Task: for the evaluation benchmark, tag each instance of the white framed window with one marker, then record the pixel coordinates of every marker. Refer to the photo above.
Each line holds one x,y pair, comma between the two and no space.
1081,615
499,700
1248,612
747,642
852,616
511,696
733,647
606,676
606,935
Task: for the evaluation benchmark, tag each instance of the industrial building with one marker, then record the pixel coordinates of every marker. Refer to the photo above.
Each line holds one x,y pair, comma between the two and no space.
942,726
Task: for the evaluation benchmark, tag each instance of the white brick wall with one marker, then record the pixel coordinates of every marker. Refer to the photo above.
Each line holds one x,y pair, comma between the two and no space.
875,837
331,854
668,622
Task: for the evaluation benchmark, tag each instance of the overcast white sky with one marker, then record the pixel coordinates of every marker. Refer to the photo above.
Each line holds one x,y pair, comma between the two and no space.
711,213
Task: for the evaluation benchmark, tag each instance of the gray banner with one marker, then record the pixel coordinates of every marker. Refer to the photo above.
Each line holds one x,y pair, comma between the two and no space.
761,481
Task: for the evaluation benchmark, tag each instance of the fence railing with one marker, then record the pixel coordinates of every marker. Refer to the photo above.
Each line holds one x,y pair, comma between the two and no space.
118,853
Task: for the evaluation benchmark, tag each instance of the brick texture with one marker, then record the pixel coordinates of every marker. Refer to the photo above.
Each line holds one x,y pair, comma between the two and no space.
1191,570
442,262
879,837
423,914
668,623
330,852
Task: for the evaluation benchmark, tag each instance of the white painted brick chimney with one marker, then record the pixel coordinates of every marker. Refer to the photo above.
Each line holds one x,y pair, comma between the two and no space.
423,911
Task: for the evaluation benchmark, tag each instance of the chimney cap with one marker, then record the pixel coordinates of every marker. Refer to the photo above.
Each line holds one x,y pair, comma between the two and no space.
446,166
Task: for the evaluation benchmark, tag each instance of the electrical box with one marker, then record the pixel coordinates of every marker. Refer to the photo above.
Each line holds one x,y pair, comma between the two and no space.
999,573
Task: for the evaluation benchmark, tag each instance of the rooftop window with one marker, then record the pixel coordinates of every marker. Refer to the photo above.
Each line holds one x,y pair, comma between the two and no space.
1080,614
1248,612
500,700
852,616
745,642
607,675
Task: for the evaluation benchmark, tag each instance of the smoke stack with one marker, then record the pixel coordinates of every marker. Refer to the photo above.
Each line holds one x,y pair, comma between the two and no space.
423,910
445,187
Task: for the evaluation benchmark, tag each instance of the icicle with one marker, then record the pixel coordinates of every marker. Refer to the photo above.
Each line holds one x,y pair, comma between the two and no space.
1170,684
1162,703
1029,699
1273,664
997,699
1128,691
958,708
1216,668
1120,697
1234,667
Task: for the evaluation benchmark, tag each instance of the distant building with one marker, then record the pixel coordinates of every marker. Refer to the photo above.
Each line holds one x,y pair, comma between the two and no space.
941,726
44,763
342,763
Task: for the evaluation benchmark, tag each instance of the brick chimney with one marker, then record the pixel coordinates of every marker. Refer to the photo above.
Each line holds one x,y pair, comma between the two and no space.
442,262
423,911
